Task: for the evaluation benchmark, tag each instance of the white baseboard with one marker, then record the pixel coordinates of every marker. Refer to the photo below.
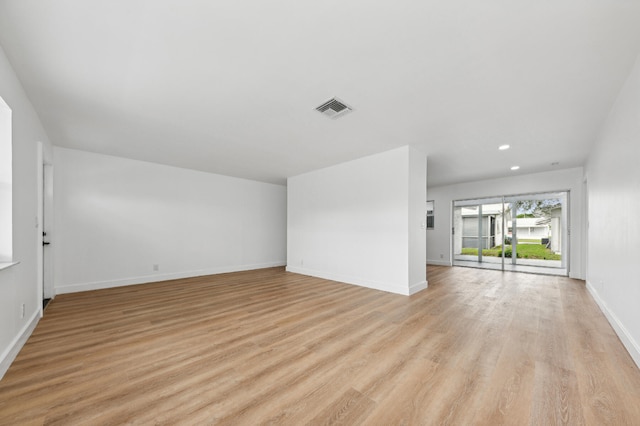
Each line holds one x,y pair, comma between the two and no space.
414,288
17,343
625,337
375,285
98,285
438,262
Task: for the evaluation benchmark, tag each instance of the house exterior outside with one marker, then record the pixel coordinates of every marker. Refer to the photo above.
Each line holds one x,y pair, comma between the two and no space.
529,228
466,219
534,228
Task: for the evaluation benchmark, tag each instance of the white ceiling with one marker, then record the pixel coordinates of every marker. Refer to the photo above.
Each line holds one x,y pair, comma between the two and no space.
230,87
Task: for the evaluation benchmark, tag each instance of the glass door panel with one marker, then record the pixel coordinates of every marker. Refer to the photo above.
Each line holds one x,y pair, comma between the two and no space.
465,235
477,233
492,235
536,229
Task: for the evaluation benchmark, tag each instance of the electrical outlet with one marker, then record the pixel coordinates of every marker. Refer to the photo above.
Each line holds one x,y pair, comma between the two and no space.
156,267
441,256
22,311
301,262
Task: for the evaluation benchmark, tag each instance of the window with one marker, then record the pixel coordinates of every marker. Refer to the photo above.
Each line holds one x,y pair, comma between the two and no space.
6,245
430,217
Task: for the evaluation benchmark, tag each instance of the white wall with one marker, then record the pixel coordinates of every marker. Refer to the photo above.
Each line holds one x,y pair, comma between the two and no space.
360,222
417,228
613,179
116,218
19,284
6,177
439,238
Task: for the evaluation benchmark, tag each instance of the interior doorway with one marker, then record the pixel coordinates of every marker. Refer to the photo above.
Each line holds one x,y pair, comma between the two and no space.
44,225
522,233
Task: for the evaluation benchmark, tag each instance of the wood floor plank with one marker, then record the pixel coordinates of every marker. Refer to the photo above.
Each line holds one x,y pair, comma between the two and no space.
349,408
270,347
556,398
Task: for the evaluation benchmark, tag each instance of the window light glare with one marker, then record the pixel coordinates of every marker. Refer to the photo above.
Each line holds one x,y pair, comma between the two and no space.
503,147
515,167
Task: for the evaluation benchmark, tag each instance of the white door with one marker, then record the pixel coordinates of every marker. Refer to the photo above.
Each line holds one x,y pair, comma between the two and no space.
43,225
47,249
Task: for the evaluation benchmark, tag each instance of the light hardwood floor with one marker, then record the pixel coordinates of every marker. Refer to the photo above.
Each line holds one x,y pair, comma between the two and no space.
477,347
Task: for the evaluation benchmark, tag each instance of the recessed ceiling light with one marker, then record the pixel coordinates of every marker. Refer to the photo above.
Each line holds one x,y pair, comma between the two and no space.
503,147
515,167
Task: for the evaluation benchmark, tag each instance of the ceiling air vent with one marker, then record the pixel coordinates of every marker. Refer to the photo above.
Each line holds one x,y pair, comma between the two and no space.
334,108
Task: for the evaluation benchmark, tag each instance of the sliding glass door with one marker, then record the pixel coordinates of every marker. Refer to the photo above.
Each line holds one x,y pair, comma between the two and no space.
525,233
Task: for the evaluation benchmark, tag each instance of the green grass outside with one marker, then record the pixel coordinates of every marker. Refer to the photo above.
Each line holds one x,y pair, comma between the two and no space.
525,251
